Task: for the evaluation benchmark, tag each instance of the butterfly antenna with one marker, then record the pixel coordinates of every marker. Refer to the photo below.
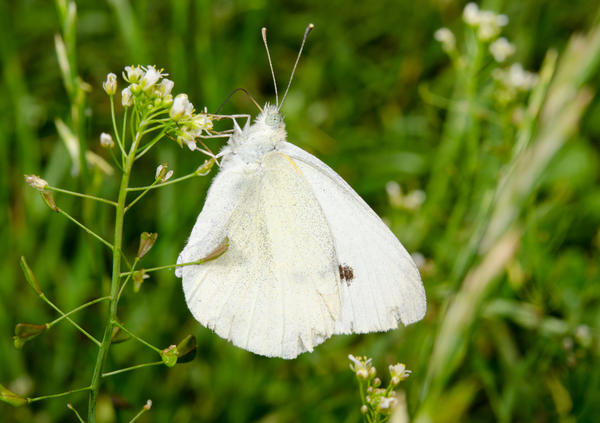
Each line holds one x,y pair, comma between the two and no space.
306,32
264,36
235,91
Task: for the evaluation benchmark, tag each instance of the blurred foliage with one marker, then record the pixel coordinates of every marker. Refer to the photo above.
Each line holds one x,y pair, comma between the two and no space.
509,230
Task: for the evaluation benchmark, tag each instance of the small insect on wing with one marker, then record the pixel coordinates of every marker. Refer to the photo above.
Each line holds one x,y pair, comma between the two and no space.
380,282
276,290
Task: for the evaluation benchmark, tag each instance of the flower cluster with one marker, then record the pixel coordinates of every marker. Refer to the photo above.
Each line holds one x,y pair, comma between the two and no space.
409,201
377,402
191,125
487,23
147,87
487,27
149,93
512,82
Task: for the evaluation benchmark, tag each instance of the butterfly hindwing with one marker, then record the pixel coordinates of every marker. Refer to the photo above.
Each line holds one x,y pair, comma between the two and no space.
380,282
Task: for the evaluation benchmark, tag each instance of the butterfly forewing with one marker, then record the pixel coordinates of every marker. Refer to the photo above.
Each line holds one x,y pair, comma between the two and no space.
276,290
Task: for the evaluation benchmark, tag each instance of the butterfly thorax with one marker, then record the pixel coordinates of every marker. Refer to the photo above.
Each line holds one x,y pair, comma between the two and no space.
251,143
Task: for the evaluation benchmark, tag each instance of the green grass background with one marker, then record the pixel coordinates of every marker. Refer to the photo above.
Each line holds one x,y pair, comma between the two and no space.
511,332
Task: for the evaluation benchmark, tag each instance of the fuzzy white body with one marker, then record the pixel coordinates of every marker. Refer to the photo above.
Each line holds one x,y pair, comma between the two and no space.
292,224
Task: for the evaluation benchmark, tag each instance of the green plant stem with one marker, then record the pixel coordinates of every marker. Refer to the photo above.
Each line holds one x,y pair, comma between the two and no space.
75,310
61,394
79,418
139,197
79,194
82,330
168,266
114,120
137,338
128,369
85,228
116,278
173,181
137,416
124,284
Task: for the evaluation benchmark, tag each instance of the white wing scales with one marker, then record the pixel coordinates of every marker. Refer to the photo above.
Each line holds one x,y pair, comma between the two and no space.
386,286
276,290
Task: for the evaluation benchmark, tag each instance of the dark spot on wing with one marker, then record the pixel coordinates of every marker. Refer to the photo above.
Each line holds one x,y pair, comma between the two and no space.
346,273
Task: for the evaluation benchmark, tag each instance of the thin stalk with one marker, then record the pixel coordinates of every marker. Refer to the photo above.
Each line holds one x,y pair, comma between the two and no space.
142,411
79,194
137,338
148,146
82,330
139,197
124,284
115,280
85,228
114,120
62,394
128,369
79,418
172,181
75,310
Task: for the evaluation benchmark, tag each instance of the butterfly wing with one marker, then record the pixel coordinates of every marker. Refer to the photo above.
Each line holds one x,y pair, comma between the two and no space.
381,282
276,290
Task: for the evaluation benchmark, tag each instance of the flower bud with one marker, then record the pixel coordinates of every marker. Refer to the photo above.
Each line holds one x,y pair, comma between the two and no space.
126,97
110,85
106,140
147,241
36,182
148,405
181,107
364,409
165,87
376,382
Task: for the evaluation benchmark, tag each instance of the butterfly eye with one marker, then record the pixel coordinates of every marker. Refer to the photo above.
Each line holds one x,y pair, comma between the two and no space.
273,119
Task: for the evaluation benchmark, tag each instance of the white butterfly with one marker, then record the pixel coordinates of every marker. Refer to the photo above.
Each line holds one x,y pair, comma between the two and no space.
307,257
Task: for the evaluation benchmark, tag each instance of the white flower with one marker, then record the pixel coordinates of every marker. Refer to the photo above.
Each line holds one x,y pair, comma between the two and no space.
361,366
151,77
106,140
446,37
162,172
126,97
110,85
181,107
202,122
516,77
501,49
133,74
387,403
488,23
165,87
188,139
148,405
36,182
398,372
471,14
